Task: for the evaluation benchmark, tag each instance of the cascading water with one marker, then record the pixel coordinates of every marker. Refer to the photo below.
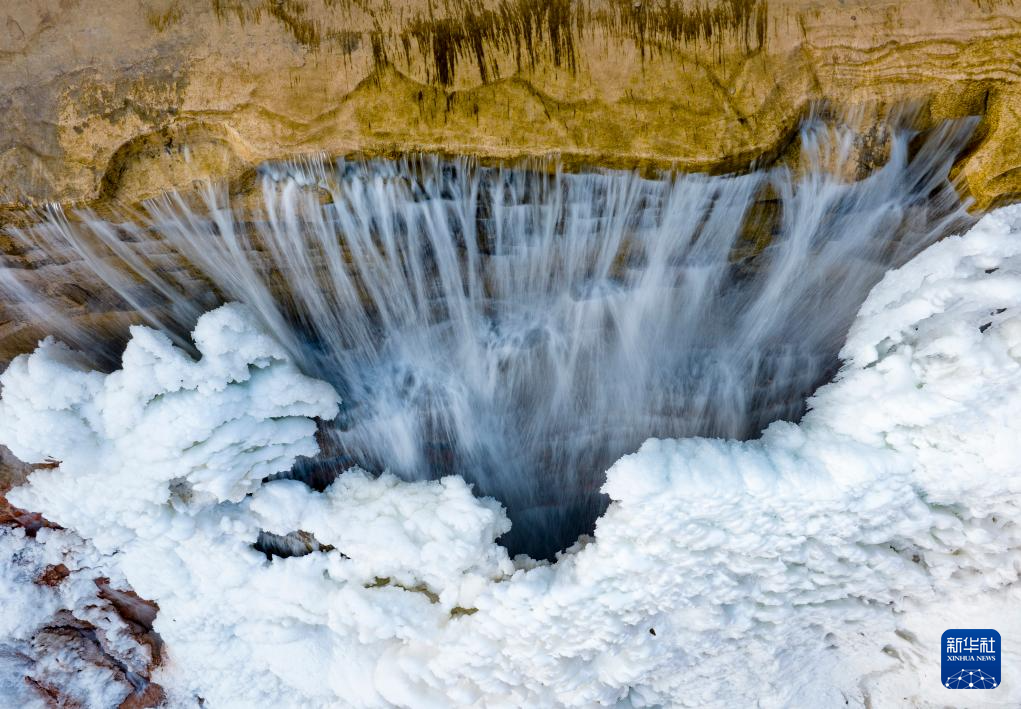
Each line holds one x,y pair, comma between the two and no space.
524,328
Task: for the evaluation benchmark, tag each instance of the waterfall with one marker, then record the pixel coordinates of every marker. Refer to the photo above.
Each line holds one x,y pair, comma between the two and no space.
519,326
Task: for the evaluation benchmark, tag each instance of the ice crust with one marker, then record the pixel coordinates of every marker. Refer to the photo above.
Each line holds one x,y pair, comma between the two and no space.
63,636
812,567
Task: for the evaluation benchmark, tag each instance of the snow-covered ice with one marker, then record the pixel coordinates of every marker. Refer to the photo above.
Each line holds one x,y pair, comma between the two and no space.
815,566
64,637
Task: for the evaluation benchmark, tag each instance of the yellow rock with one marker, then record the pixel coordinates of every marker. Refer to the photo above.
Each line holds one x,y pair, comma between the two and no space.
120,100
107,101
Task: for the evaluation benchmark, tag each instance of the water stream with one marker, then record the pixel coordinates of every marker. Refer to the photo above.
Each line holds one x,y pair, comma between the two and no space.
519,326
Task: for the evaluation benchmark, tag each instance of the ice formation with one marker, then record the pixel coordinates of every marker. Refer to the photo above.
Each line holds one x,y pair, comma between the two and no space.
812,567
64,640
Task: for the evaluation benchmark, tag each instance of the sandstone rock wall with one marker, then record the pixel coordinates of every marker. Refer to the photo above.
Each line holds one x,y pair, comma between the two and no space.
120,99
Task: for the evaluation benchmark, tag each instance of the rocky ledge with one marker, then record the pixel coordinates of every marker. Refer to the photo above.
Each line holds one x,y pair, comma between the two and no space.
119,100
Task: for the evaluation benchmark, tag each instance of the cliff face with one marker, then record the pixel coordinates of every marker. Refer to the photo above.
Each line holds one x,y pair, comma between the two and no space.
112,99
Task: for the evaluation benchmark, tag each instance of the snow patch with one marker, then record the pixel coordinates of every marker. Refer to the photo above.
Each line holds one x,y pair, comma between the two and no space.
61,642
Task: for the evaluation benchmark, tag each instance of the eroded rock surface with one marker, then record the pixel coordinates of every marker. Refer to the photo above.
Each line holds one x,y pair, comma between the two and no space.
118,99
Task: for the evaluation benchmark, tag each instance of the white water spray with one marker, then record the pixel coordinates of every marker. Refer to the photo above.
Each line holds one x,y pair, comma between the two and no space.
524,328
